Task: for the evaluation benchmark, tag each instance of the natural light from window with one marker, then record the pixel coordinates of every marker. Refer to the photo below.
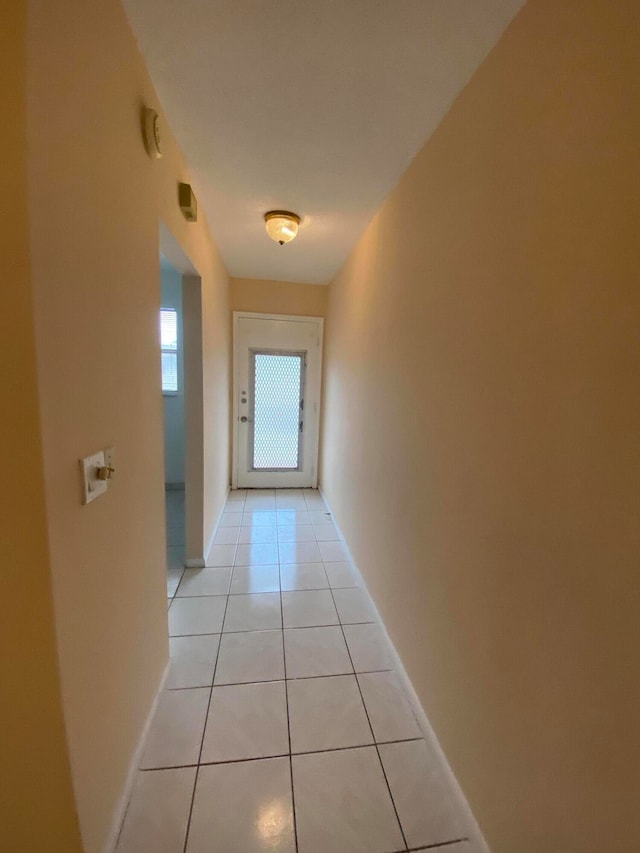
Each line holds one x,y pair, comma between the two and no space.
169,347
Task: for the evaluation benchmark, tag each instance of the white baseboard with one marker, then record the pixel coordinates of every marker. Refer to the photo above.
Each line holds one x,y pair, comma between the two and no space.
423,721
123,801
214,531
197,563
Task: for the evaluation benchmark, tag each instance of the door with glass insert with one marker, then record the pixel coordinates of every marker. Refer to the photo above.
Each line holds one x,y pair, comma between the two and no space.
276,384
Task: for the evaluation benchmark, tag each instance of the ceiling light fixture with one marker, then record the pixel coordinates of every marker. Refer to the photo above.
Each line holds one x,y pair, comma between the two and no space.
282,226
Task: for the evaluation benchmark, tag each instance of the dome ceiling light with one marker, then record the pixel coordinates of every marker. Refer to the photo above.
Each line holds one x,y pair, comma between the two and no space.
282,225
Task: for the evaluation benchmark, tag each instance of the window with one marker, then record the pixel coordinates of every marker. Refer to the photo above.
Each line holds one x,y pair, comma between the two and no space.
169,348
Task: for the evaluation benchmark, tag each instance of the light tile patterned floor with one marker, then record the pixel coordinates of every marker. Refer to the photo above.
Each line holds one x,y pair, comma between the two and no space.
282,726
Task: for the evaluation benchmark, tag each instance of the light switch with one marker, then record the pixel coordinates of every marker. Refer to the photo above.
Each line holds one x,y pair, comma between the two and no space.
110,458
92,487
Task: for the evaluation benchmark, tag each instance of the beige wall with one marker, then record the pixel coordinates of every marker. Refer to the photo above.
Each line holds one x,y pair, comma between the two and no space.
37,810
97,201
278,297
482,414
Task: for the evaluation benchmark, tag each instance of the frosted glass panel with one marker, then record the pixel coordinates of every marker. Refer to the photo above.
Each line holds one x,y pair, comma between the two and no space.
277,415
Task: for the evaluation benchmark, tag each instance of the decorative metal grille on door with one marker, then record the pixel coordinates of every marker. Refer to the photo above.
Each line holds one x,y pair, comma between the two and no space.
278,382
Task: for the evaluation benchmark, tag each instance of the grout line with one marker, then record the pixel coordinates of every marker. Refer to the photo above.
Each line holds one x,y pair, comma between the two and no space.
291,754
166,767
344,636
193,797
282,755
204,730
286,695
258,630
287,678
440,844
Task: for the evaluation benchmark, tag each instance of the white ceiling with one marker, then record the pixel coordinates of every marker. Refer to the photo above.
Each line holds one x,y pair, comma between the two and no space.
315,106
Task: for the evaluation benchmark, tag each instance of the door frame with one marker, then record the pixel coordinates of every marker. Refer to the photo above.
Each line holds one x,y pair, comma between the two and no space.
192,337
312,419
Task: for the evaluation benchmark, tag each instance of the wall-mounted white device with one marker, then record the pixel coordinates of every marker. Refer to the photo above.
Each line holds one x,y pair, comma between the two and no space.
151,133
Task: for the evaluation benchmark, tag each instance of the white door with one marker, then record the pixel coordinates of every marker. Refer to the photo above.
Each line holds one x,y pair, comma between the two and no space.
277,364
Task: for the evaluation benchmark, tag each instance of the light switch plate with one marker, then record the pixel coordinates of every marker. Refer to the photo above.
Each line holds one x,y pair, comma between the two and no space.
92,487
110,458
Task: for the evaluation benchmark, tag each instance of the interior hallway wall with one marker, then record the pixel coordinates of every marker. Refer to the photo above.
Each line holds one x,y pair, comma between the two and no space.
279,297
173,404
37,808
481,423
96,202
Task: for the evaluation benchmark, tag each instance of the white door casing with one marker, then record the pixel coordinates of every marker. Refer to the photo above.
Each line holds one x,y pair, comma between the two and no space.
258,337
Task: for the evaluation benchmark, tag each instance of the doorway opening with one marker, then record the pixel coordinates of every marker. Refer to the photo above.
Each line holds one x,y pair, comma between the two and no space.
172,365
180,344
277,375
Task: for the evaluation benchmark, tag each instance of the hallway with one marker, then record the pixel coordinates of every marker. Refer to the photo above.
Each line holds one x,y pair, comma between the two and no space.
282,725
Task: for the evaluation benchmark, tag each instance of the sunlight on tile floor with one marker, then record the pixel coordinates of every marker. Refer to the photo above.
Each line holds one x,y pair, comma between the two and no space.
282,726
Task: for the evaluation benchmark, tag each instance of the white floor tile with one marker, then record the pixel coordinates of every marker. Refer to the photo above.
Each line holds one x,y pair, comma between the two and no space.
176,730
259,518
226,535
204,582
426,807
230,519
308,609
193,660
290,503
158,811
243,808
326,713
196,615
333,552
343,804
253,612
246,721
326,532
296,533
299,552
341,574
251,656
315,651
368,647
293,516
303,576
388,708
257,554
315,504
353,605
260,504
341,697
221,555
264,534
173,579
237,495
255,579
320,516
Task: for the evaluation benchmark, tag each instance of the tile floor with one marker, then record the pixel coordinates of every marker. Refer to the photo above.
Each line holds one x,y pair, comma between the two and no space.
282,726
